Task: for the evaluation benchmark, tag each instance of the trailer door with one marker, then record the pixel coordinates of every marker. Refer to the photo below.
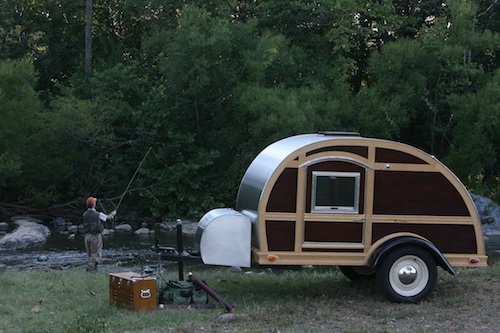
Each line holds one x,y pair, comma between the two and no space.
335,198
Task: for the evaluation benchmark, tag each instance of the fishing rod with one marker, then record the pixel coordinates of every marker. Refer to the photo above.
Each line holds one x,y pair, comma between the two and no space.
133,177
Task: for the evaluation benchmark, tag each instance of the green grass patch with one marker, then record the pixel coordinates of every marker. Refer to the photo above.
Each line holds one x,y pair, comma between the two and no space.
277,300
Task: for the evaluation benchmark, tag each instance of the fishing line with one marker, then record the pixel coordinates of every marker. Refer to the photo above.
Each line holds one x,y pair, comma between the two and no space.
132,179
166,167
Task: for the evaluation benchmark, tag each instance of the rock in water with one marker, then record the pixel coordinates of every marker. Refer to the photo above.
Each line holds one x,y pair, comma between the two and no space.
26,235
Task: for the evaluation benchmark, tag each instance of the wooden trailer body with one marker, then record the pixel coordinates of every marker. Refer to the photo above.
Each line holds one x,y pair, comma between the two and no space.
395,190
372,207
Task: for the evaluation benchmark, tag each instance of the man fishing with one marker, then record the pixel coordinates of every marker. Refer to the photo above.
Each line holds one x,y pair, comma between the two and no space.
92,227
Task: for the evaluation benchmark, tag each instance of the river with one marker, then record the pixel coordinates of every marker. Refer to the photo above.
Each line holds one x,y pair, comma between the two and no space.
120,250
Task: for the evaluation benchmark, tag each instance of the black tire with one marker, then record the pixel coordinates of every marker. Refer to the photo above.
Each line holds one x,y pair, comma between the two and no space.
357,273
407,275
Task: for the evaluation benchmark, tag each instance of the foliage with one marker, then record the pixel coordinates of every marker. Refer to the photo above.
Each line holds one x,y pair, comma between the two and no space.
476,151
205,85
19,105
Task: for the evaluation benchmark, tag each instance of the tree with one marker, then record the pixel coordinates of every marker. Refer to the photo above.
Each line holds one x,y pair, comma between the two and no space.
197,66
19,108
15,41
415,78
204,86
475,152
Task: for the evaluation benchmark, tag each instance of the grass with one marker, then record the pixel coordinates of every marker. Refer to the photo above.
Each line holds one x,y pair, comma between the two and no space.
281,300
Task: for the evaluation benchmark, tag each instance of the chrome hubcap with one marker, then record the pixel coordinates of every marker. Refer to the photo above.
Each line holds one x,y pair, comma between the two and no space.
407,274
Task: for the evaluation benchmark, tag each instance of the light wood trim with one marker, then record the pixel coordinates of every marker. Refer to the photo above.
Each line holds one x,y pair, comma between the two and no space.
317,217
332,217
280,216
405,167
463,260
333,245
294,164
301,208
337,156
369,191
261,221
348,259
423,219
309,258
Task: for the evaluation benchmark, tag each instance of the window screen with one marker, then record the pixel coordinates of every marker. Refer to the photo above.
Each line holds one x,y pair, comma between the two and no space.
336,192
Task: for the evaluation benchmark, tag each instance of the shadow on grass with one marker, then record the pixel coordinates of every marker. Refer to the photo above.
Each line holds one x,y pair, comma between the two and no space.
294,284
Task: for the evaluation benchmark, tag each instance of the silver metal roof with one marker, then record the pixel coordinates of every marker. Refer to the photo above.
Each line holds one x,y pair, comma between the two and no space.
267,161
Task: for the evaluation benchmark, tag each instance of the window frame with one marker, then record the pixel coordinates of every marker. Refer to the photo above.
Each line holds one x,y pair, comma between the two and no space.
336,209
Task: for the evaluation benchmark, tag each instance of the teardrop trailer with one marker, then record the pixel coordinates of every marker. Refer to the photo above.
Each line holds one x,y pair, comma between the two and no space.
375,208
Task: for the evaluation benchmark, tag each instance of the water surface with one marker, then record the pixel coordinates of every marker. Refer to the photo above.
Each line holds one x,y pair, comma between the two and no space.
119,249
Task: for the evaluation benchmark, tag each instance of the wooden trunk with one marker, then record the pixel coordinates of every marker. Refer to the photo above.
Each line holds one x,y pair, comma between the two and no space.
130,290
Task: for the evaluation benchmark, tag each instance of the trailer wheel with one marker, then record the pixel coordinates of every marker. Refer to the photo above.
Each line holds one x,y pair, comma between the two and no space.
407,275
357,273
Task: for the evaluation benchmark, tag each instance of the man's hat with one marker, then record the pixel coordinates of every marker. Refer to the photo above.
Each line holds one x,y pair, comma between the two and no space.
91,201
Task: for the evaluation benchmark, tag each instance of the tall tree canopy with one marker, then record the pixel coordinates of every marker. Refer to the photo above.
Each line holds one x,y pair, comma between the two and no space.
195,89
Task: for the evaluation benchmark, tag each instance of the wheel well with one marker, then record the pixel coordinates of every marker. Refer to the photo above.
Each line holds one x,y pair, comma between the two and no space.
393,244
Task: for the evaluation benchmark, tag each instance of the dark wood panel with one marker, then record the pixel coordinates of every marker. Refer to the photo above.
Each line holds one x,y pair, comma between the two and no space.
358,150
280,235
384,155
283,197
448,238
416,193
333,232
336,166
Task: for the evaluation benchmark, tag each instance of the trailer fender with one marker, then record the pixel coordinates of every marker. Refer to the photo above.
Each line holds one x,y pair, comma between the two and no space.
387,247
